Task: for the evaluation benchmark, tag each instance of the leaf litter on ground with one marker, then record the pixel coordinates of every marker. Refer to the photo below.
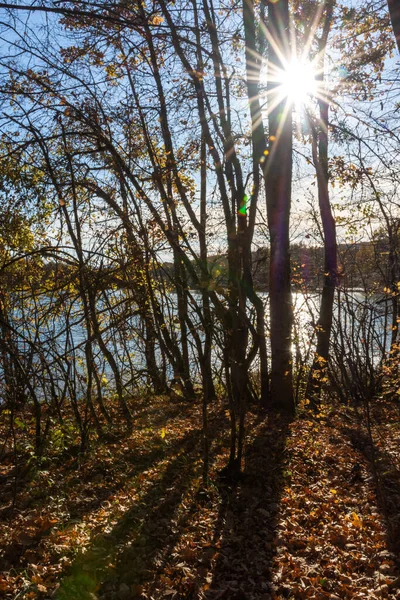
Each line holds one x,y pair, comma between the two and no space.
315,514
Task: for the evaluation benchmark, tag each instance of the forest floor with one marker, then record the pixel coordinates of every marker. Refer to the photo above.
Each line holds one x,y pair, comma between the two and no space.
316,513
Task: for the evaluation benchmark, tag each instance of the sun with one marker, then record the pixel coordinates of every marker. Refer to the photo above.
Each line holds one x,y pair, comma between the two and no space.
298,82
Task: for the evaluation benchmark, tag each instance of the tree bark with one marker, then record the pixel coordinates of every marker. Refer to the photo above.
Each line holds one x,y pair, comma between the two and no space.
278,178
253,67
318,369
324,325
394,12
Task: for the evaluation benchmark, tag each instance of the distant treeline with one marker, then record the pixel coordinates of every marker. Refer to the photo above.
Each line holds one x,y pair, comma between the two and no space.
361,265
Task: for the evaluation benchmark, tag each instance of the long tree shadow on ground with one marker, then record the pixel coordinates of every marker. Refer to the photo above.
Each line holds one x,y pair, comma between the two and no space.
120,562
387,482
158,546
245,534
17,481
92,486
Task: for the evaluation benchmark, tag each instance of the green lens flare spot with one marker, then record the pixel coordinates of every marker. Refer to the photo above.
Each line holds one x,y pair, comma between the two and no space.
242,209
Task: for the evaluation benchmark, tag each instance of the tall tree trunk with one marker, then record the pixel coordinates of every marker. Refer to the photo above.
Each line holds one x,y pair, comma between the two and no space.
253,66
394,12
180,282
208,384
278,179
323,330
318,369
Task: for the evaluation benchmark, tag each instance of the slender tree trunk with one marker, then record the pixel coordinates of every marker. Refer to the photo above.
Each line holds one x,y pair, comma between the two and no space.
323,330
319,367
324,326
253,66
278,179
394,279
180,281
394,12
206,367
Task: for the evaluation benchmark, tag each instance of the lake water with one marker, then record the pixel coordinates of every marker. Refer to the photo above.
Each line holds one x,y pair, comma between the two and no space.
57,338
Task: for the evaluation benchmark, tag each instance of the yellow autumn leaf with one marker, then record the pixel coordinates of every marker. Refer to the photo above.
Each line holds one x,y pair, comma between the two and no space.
157,20
163,433
356,520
